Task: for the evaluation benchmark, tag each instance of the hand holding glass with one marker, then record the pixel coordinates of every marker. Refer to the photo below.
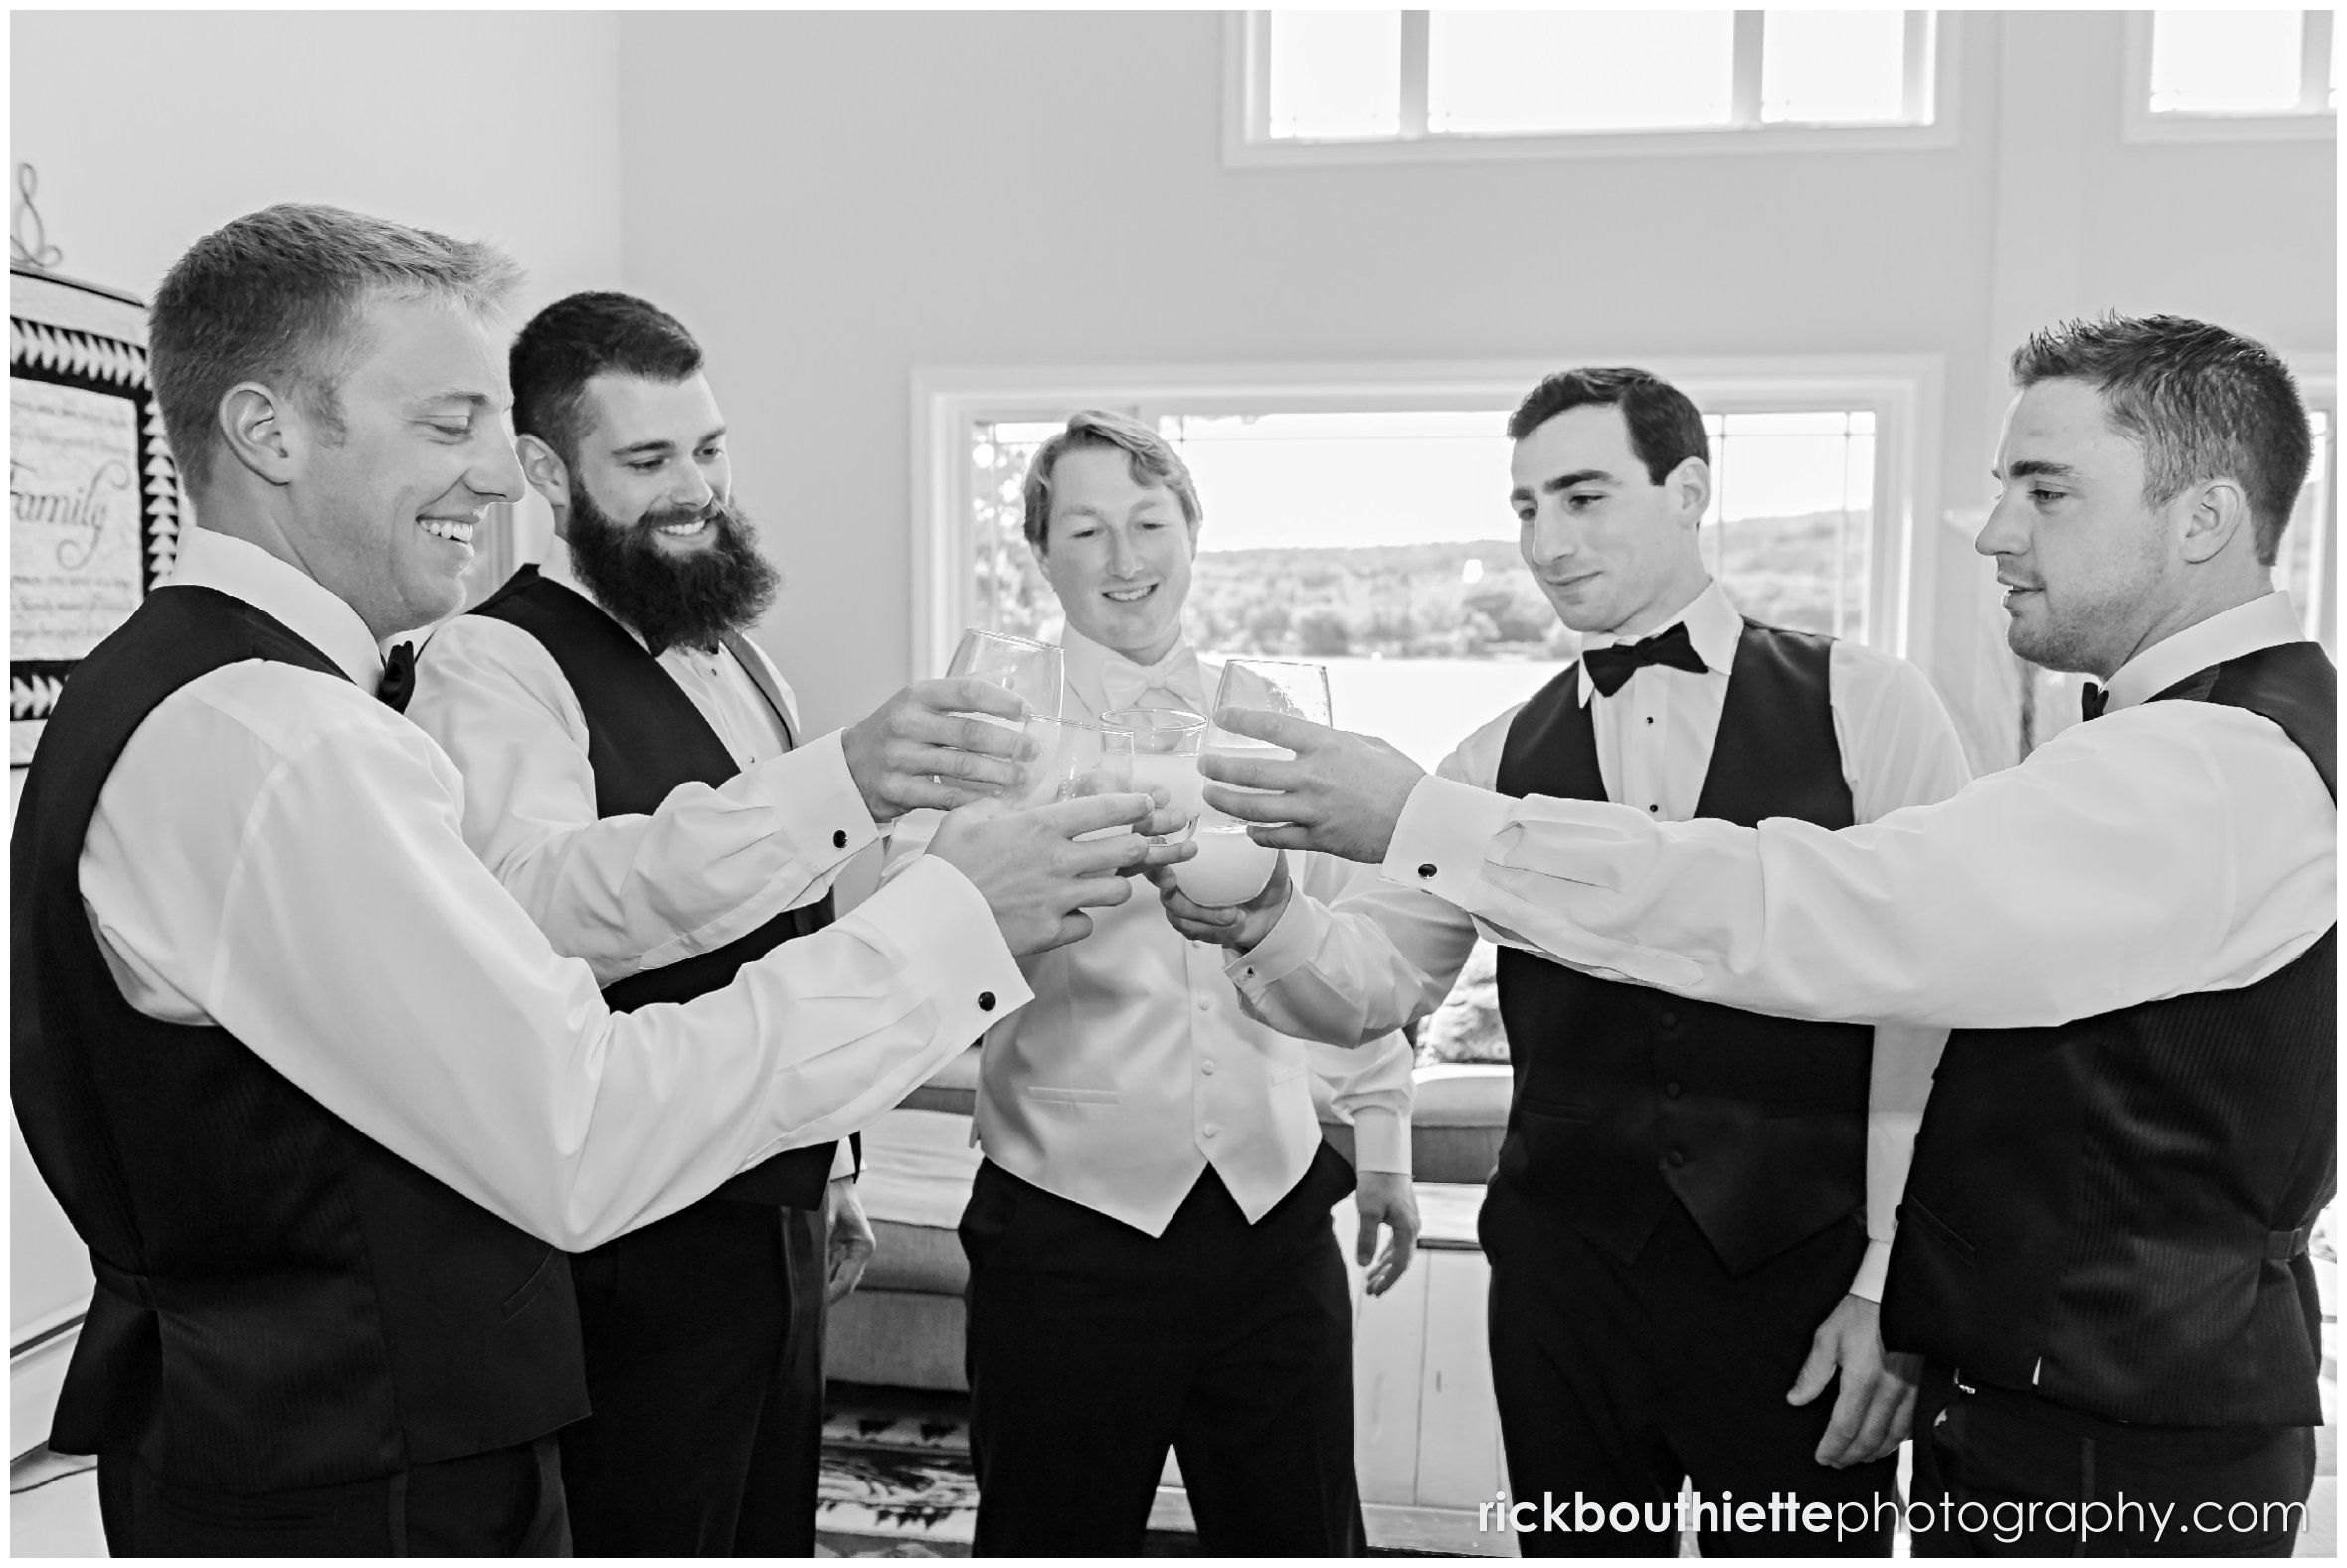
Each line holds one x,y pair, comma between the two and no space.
1230,867
1033,671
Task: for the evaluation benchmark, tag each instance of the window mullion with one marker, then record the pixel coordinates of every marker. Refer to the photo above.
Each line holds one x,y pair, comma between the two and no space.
1417,28
2314,62
1745,95
1916,106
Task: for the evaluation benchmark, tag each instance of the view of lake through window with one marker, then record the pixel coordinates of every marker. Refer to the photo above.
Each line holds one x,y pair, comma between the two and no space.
1382,544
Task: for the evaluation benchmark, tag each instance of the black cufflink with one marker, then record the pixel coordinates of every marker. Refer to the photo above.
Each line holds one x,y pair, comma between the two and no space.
839,839
1427,869
985,1001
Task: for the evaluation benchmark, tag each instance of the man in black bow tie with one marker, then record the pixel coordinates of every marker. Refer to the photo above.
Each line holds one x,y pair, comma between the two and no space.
1694,1204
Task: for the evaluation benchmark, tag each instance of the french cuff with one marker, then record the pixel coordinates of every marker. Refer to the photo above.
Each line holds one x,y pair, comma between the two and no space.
1380,1140
1287,947
843,1161
938,921
813,792
1871,1270
1441,836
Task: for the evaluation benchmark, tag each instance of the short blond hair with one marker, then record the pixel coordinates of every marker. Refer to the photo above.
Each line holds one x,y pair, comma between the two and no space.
1153,461
274,297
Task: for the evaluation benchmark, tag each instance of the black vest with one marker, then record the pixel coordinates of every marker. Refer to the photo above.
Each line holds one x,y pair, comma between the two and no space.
280,1301
1628,1098
2113,1212
645,738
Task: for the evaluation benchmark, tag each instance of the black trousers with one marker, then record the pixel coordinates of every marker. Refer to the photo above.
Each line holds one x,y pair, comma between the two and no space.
1615,1381
2002,1473
505,1503
1094,1347
703,1335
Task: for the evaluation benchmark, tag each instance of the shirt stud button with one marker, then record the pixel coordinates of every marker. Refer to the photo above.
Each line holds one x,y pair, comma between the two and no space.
839,839
985,1001
1426,869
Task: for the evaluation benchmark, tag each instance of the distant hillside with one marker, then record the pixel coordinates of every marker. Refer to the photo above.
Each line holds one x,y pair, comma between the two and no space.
1416,600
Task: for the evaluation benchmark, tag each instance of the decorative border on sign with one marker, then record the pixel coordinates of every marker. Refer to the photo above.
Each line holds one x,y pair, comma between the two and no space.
80,336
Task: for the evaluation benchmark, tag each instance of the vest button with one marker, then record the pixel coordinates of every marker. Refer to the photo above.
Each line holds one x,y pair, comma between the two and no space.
1677,1157
1669,1020
1208,1130
1672,1089
985,1001
1206,1067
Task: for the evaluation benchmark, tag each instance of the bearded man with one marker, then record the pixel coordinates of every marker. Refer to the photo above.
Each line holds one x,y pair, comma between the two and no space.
637,776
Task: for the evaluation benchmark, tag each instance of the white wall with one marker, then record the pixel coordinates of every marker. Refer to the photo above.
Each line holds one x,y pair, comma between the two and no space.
855,195
150,128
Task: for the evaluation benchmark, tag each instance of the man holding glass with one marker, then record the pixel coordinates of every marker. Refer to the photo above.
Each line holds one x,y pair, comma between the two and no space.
1151,1258
636,775
2104,1250
1694,1205
319,1097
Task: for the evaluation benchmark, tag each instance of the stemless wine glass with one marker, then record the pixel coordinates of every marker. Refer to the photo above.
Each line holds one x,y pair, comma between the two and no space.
1026,668
1164,746
1068,762
1230,867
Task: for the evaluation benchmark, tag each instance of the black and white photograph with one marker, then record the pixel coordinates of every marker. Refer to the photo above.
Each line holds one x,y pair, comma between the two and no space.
1108,783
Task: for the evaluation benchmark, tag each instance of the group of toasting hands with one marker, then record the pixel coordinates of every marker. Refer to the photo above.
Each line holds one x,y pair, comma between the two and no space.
459,1103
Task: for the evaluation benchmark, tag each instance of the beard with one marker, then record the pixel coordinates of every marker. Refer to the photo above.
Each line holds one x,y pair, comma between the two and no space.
672,598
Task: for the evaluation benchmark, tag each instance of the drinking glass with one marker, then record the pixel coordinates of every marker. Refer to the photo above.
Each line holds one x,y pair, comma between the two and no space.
1163,744
1069,760
1031,670
1300,691
1230,867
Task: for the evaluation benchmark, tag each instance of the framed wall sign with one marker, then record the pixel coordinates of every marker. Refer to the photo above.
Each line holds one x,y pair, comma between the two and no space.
93,498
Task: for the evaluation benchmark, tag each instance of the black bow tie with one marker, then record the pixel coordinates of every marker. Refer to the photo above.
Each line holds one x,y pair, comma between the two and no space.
1609,667
399,677
2093,700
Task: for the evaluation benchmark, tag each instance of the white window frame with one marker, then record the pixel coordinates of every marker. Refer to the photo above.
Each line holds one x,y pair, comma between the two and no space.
2318,385
2138,124
1246,111
1903,392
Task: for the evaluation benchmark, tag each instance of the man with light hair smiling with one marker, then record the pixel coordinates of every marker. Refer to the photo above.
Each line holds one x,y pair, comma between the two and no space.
321,1101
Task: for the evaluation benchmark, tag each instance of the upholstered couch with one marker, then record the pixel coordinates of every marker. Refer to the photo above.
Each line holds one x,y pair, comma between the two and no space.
903,1327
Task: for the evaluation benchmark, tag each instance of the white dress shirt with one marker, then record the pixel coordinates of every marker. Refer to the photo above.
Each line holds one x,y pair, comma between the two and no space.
2162,849
641,892
1385,954
279,854
1136,1067
631,892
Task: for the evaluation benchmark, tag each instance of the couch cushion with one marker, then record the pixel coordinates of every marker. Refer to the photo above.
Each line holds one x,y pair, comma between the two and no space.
915,1257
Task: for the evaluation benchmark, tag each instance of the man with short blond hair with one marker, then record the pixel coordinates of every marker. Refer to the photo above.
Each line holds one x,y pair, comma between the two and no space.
320,1099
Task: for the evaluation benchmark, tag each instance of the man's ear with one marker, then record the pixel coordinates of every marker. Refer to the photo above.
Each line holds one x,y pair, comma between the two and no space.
1690,486
548,475
2209,516
264,431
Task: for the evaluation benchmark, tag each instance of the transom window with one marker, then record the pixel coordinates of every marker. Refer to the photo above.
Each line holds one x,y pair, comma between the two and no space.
1566,81
2222,74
